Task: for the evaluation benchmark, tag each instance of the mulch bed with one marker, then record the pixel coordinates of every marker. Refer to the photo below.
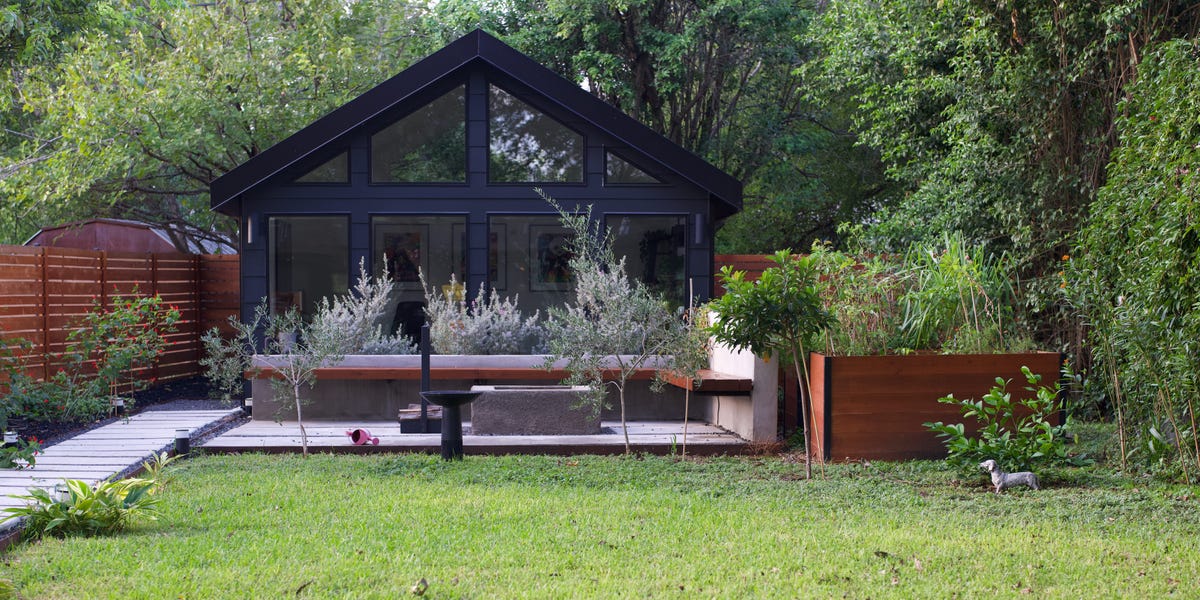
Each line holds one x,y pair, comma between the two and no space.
181,394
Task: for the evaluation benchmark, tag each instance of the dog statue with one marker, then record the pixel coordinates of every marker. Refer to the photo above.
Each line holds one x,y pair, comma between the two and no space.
1003,480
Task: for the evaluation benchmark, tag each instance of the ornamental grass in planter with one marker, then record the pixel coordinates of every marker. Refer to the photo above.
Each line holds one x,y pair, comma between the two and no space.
938,320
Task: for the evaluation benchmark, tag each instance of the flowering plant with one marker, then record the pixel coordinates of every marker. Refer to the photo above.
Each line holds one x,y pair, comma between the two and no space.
23,451
127,335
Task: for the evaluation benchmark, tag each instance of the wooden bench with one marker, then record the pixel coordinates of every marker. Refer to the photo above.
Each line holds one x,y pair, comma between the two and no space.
711,382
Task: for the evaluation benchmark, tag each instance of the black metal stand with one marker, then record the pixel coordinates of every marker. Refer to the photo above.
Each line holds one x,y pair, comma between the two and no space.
452,446
425,380
451,402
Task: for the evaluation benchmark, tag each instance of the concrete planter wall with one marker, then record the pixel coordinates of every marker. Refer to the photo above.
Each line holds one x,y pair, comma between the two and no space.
874,407
381,399
753,416
533,410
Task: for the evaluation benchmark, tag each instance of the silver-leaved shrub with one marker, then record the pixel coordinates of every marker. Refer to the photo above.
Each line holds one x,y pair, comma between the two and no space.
488,324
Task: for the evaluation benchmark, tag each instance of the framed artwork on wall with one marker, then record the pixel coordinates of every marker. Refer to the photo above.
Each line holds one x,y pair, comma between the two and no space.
551,257
406,250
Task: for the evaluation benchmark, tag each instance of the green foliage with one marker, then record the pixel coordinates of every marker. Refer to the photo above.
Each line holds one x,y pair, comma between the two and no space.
294,351
139,118
348,323
995,120
943,296
68,395
107,508
779,314
776,315
862,295
1017,434
105,351
127,334
226,359
615,326
1135,278
20,455
487,324
958,299
355,318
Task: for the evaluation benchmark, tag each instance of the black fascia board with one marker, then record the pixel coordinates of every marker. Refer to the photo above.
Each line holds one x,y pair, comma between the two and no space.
475,45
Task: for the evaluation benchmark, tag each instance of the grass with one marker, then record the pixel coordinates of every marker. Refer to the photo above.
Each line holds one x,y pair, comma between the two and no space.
256,526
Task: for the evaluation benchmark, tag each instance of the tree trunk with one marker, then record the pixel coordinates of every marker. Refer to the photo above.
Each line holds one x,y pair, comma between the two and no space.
687,396
300,420
624,425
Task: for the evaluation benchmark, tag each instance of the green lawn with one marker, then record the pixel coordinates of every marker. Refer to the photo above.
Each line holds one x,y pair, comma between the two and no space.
544,527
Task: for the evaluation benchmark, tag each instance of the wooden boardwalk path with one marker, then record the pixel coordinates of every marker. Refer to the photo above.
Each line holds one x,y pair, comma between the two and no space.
106,451
326,436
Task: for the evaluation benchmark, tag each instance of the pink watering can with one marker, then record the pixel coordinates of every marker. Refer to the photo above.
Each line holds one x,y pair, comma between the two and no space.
362,437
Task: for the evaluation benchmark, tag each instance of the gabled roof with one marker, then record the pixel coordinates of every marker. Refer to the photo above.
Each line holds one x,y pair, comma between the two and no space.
458,55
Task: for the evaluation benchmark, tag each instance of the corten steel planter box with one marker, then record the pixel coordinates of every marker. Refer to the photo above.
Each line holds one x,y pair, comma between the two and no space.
533,410
874,407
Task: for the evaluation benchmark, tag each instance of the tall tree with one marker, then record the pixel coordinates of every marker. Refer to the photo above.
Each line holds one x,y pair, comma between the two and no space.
138,123
994,119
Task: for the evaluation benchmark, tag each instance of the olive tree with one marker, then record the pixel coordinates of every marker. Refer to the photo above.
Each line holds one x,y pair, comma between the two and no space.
616,326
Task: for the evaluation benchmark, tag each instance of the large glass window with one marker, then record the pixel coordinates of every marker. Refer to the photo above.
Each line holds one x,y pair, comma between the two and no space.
655,251
528,257
410,245
527,146
620,171
309,260
335,170
427,146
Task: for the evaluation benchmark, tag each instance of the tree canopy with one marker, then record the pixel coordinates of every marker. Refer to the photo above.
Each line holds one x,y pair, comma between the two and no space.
136,121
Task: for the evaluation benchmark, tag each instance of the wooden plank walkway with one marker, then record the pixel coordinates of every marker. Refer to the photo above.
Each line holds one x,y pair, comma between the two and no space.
329,436
105,451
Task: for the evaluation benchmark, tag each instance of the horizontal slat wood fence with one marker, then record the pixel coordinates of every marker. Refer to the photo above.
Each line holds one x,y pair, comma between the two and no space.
44,292
752,264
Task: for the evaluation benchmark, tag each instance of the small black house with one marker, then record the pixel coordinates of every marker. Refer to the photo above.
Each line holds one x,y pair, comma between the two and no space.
435,169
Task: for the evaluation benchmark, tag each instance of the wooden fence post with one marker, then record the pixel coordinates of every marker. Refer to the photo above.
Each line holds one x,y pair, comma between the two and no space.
103,279
45,317
196,282
154,291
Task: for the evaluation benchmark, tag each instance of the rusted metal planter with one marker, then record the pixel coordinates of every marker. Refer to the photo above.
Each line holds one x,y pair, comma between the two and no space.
875,407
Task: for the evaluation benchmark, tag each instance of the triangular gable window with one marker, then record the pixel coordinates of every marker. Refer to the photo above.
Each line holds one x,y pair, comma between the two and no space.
618,170
336,170
427,146
526,145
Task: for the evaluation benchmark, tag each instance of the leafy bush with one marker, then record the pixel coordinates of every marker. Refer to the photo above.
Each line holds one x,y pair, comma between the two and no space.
1135,276
108,507
862,297
104,352
67,396
1016,434
487,325
615,325
350,322
958,299
24,451
128,334
945,296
